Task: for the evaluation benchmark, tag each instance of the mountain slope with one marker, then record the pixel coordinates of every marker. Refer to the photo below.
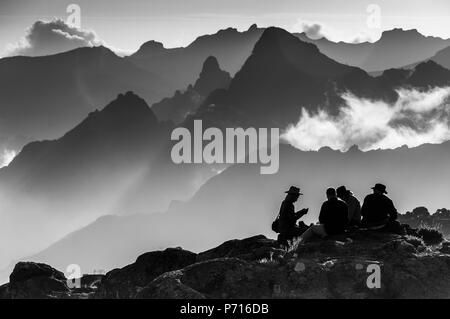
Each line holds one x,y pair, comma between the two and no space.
284,74
53,187
240,202
229,46
43,97
443,57
394,49
182,103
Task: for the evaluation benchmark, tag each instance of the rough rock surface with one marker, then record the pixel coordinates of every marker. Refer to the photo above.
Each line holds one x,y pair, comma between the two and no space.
355,265
253,248
33,280
126,282
339,267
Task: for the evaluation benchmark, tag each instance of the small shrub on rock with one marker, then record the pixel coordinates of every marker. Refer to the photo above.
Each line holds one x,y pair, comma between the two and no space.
430,235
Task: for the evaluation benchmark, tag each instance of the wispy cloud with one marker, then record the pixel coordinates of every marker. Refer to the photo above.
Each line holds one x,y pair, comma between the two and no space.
317,30
49,37
417,117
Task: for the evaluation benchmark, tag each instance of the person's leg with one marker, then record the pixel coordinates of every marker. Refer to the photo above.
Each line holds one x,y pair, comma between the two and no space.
319,230
313,230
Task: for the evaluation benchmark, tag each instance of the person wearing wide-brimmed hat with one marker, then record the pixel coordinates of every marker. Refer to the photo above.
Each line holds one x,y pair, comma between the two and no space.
378,210
288,217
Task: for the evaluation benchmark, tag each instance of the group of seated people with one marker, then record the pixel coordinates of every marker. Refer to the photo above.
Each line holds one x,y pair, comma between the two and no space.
340,212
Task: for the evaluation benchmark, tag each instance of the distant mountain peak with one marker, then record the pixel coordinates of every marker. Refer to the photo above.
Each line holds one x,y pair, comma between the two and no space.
274,36
253,27
128,101
210,63
151,47
211,77
125,108
402,34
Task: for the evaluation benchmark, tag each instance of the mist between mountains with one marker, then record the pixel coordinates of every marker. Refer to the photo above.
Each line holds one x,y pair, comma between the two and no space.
235,145
416,117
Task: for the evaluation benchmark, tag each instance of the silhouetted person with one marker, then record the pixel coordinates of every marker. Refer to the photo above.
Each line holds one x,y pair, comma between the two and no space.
378,210
288,218
354,207
333,218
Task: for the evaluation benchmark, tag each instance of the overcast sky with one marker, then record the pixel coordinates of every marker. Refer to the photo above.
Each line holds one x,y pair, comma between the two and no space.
127,24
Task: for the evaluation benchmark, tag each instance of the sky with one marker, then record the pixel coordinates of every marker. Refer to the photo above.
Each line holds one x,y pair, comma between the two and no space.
125,25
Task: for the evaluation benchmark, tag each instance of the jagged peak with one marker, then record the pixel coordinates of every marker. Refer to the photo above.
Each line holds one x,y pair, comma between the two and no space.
253,27
210,63
152,45
275,37
429,65
400,31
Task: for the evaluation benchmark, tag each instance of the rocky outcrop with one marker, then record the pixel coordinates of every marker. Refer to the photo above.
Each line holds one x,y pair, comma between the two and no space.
360,264
421,217
127,282
33,280
253,248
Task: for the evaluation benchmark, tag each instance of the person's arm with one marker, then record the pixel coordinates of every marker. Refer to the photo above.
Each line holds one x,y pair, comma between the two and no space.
301,213
287,212
323,214
392,211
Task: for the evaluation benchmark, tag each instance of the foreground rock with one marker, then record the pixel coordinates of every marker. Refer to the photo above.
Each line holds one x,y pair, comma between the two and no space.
357,265
127,282
33,280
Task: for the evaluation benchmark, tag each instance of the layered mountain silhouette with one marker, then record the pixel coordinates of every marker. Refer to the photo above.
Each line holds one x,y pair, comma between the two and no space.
43,97
424,75
229,46
443,57
177,107
282,75
220,210
79,80
394,49
56,186
118,159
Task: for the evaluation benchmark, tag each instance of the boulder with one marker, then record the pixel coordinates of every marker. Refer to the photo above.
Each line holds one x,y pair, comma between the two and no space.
127,281
359,265
251,249
445,249
217,278
37,281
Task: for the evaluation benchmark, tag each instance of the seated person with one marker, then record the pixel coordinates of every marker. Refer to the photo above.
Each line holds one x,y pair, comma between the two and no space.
288,218
333,218
378,210
354,207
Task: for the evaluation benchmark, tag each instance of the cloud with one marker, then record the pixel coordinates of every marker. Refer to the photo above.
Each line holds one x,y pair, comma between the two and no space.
317,30
6,157
50,37
311,29
417,117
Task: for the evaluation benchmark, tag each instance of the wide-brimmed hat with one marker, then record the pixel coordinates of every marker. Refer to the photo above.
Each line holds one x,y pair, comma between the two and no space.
381,188
293,190
342,190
